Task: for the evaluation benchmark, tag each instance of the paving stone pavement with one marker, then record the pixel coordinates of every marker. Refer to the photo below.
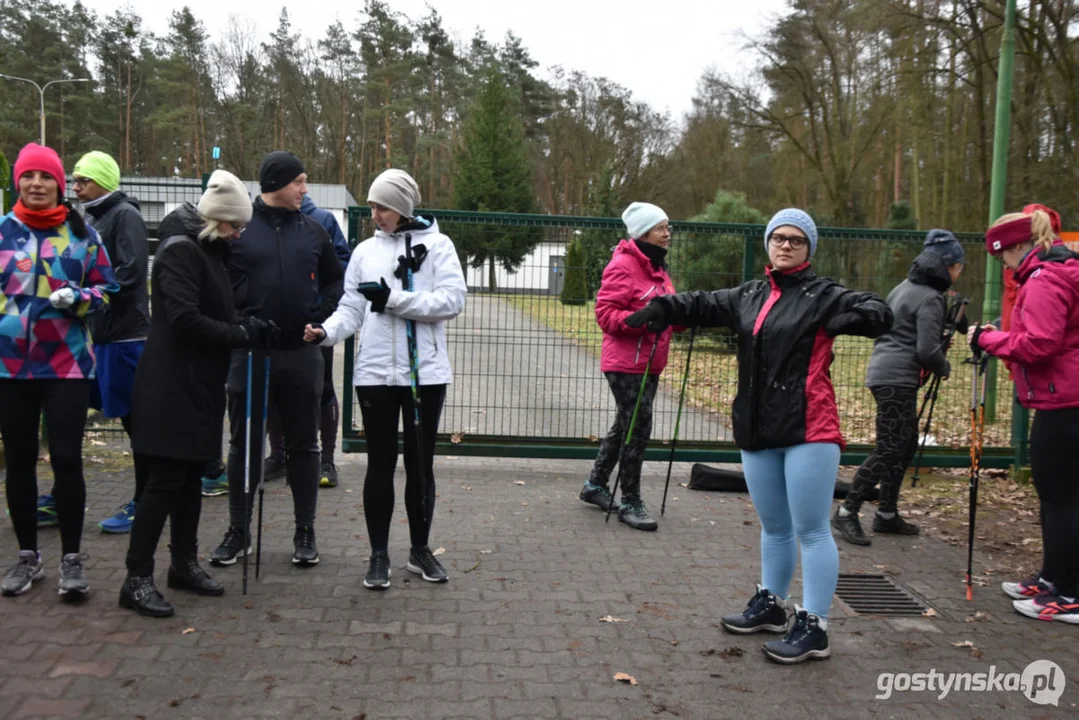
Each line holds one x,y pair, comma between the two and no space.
516,633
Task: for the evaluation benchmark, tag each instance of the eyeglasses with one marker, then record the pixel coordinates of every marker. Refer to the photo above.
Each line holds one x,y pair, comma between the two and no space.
797,242
80,181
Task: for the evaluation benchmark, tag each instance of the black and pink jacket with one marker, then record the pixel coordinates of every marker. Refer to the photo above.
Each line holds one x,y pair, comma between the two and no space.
785,394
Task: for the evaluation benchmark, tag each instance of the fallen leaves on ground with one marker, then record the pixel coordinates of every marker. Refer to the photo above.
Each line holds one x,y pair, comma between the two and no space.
625,678
188,631
612,619
439,551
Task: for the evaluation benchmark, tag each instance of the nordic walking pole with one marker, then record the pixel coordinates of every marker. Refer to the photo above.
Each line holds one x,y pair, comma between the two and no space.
934,384
632,423
247,469
262,479
414,382
677,420
977,430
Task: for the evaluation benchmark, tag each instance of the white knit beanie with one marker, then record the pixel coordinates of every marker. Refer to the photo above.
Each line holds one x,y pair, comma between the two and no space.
396,190
225,199
641,217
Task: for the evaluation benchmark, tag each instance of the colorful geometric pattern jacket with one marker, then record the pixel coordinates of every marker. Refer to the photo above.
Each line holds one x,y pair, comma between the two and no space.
38,341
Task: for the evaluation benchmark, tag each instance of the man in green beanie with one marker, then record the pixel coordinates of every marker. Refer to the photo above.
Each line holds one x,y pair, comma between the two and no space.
119,334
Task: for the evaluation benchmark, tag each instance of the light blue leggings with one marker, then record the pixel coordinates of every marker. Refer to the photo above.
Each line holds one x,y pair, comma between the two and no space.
792,491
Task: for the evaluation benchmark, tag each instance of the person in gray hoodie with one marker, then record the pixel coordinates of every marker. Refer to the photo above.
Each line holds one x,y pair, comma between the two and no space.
915,343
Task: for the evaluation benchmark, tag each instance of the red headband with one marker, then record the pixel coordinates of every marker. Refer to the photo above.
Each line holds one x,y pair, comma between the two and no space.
1003,236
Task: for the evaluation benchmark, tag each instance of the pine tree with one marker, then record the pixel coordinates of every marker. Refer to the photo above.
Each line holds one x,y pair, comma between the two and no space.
575,291
494,175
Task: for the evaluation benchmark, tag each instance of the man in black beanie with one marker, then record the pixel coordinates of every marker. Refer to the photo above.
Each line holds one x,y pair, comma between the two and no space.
284,269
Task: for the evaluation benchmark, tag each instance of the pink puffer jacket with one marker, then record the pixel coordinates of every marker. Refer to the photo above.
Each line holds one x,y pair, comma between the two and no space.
1043,341
629,282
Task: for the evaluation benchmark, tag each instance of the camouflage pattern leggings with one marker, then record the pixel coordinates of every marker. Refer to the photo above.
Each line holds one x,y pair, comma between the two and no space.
624,387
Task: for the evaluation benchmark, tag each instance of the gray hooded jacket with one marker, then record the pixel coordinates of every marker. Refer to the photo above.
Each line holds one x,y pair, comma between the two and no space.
917,335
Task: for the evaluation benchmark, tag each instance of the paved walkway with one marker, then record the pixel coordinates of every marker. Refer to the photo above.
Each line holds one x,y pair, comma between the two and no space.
515,376
517,632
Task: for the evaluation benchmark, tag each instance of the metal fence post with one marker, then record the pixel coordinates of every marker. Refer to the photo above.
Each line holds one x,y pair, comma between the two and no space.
749,256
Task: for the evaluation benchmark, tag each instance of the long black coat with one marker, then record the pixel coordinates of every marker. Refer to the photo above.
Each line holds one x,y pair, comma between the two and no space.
178,406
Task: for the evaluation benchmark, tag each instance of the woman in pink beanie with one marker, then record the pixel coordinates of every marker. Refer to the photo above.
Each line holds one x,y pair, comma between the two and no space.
53,272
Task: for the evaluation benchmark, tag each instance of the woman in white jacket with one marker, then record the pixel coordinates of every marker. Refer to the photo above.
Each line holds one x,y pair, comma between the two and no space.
379,304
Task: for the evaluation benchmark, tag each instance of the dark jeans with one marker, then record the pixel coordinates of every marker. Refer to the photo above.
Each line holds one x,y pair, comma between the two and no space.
330,416
174,491
897,442
296,389
1054,435
64,403
382,408
625,387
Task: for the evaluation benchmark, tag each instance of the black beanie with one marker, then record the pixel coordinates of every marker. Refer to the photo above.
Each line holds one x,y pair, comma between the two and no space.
279,168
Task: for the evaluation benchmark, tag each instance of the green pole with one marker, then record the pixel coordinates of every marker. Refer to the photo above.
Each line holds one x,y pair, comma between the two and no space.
993,279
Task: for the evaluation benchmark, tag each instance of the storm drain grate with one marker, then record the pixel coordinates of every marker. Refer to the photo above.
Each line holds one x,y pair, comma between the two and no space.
867,594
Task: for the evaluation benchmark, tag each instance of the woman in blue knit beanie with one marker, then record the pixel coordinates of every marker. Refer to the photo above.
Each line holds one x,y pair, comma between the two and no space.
785,420
903,359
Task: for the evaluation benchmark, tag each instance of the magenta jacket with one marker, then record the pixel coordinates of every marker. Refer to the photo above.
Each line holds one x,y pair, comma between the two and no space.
1043,342
629,282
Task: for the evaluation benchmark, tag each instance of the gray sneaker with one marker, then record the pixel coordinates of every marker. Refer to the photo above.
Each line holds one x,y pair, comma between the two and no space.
73,576
634,514
25,573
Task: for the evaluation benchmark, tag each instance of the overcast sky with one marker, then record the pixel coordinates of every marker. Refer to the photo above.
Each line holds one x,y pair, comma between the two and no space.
656,48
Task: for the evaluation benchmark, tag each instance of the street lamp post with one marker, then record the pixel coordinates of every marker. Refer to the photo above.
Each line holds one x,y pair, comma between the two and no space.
41,93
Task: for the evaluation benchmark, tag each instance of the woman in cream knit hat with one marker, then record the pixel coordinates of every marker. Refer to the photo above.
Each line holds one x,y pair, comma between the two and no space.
179,396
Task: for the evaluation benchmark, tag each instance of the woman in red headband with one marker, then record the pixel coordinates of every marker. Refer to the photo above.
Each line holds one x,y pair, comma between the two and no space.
1043,346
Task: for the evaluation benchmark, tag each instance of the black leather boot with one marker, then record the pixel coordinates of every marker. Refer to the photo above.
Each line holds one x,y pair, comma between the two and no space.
185,573
141,595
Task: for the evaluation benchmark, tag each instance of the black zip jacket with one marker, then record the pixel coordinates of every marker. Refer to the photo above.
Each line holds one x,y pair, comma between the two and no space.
785,327
284,269
123,233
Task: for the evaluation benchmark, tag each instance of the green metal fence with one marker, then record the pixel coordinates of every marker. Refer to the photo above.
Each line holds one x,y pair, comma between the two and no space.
526,364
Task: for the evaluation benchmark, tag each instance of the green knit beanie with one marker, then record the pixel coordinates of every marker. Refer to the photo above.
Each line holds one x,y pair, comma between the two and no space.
99,167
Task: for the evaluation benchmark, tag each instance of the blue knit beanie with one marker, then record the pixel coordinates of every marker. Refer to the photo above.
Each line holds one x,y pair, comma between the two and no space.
641,217
795,218
943,243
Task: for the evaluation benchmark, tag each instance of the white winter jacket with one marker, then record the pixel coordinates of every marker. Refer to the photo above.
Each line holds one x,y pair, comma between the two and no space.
439,295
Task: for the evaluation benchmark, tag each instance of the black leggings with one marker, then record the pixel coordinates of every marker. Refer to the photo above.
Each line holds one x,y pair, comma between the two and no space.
625,387
1054,435
174,491
382,407
65,403
897,442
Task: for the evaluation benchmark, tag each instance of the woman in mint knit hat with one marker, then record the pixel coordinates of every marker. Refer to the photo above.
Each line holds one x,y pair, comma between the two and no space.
636,273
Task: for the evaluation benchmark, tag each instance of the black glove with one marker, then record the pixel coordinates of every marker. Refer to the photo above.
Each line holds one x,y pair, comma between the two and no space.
419,254
653,316
262,334
378,294
974,347
845,323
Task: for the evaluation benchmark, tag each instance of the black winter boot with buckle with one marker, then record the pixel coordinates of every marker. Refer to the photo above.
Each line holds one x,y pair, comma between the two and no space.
141,595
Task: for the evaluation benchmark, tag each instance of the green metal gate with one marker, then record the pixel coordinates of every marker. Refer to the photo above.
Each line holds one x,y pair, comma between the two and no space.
526,365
